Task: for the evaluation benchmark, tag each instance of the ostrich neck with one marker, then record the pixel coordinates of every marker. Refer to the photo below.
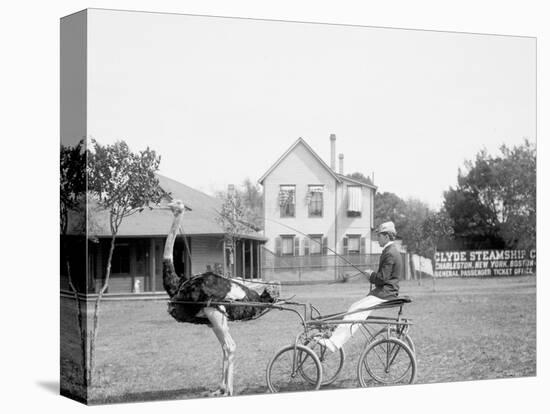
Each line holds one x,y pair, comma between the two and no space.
170,279
171,238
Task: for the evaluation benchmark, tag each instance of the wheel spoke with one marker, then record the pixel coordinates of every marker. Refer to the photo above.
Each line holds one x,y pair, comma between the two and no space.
285,370
331,362
396,365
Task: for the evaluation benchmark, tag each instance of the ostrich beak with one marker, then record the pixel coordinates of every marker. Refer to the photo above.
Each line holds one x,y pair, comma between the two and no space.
171,206
167,207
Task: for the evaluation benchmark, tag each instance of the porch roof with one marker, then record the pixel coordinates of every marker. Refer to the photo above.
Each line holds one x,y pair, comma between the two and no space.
200,221
368,183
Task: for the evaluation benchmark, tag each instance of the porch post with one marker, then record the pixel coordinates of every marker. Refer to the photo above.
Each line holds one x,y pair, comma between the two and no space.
152,265
255,257
133,266
259,251
224,258
251,247
235,257
243,268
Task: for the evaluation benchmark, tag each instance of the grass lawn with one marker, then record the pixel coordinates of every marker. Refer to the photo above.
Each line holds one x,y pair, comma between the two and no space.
465,329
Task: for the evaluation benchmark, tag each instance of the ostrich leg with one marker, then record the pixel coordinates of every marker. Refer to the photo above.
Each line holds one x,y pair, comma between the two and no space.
221,329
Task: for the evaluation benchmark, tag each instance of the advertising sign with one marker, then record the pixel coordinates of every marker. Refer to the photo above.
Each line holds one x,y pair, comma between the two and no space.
478,263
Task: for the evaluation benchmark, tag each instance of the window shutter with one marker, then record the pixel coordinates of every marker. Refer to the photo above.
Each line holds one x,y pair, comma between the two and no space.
296,246
325,246
363,246
278,246
345,240
306,246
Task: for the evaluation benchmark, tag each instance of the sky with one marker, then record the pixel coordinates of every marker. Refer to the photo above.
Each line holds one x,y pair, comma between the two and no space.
222,99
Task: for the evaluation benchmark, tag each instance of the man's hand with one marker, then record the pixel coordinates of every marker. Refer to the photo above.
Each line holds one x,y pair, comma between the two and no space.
370,272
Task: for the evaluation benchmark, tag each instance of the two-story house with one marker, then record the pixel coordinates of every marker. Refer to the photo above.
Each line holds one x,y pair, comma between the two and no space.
311,209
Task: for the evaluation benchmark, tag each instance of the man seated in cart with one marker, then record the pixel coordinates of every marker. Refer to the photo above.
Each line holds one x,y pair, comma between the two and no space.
385,280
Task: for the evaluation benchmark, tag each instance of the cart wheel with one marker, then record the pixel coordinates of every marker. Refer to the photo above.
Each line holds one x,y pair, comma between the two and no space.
393,334
285,371
331,362
387,361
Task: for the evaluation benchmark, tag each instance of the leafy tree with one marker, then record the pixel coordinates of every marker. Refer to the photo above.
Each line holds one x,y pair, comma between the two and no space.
517,191
411,227
360,177
72,180
389,207
123,183
249,198
253,201
232,218
470,217
72,203
436,226
419,227
495,198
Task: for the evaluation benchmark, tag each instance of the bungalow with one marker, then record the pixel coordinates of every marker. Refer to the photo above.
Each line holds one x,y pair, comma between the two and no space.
136,265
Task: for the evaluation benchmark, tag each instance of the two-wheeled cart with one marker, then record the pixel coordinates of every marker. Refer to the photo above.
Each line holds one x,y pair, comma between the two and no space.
388,356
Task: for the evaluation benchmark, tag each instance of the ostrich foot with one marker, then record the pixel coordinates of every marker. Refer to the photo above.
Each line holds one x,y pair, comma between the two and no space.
220,392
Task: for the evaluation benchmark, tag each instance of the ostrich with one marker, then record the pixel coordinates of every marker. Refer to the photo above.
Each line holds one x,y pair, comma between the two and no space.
204,288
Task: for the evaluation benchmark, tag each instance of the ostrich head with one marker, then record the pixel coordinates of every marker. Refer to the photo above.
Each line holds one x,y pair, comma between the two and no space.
177,207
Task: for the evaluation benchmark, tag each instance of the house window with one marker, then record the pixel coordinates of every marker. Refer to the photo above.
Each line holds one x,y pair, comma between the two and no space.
287,200
120,263
287,245
354,201
354,244
316,244
315,200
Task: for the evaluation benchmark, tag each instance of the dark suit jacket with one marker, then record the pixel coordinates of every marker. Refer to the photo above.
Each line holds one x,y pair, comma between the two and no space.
386,279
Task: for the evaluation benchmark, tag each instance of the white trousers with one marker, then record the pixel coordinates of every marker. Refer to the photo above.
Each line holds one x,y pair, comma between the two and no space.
345,331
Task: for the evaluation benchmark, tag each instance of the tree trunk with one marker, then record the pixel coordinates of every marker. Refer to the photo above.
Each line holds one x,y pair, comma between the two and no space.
81,332
95,324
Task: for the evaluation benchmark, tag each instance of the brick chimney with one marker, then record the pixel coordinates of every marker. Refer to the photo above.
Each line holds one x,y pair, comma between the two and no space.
333,152
341,163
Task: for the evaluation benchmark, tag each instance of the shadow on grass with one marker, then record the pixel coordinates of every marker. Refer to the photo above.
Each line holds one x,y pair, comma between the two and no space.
181,394
188,393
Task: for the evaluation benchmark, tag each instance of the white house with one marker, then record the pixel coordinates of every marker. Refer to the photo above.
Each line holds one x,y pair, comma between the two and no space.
311,209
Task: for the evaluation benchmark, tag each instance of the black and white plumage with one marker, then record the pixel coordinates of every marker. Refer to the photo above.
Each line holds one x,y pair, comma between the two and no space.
190,300
187,303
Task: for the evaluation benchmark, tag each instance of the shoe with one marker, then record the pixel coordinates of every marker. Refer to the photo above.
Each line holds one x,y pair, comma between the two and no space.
327,343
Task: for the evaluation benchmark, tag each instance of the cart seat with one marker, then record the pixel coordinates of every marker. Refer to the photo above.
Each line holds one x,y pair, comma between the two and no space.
397,302
400,301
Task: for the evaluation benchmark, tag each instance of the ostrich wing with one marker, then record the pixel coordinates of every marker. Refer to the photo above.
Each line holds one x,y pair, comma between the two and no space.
212,287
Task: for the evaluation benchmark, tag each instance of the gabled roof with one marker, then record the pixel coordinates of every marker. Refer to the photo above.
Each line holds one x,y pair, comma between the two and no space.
368,184
201,220
288,151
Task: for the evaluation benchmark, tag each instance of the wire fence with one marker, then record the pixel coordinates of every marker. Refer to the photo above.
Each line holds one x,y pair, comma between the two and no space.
317,268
